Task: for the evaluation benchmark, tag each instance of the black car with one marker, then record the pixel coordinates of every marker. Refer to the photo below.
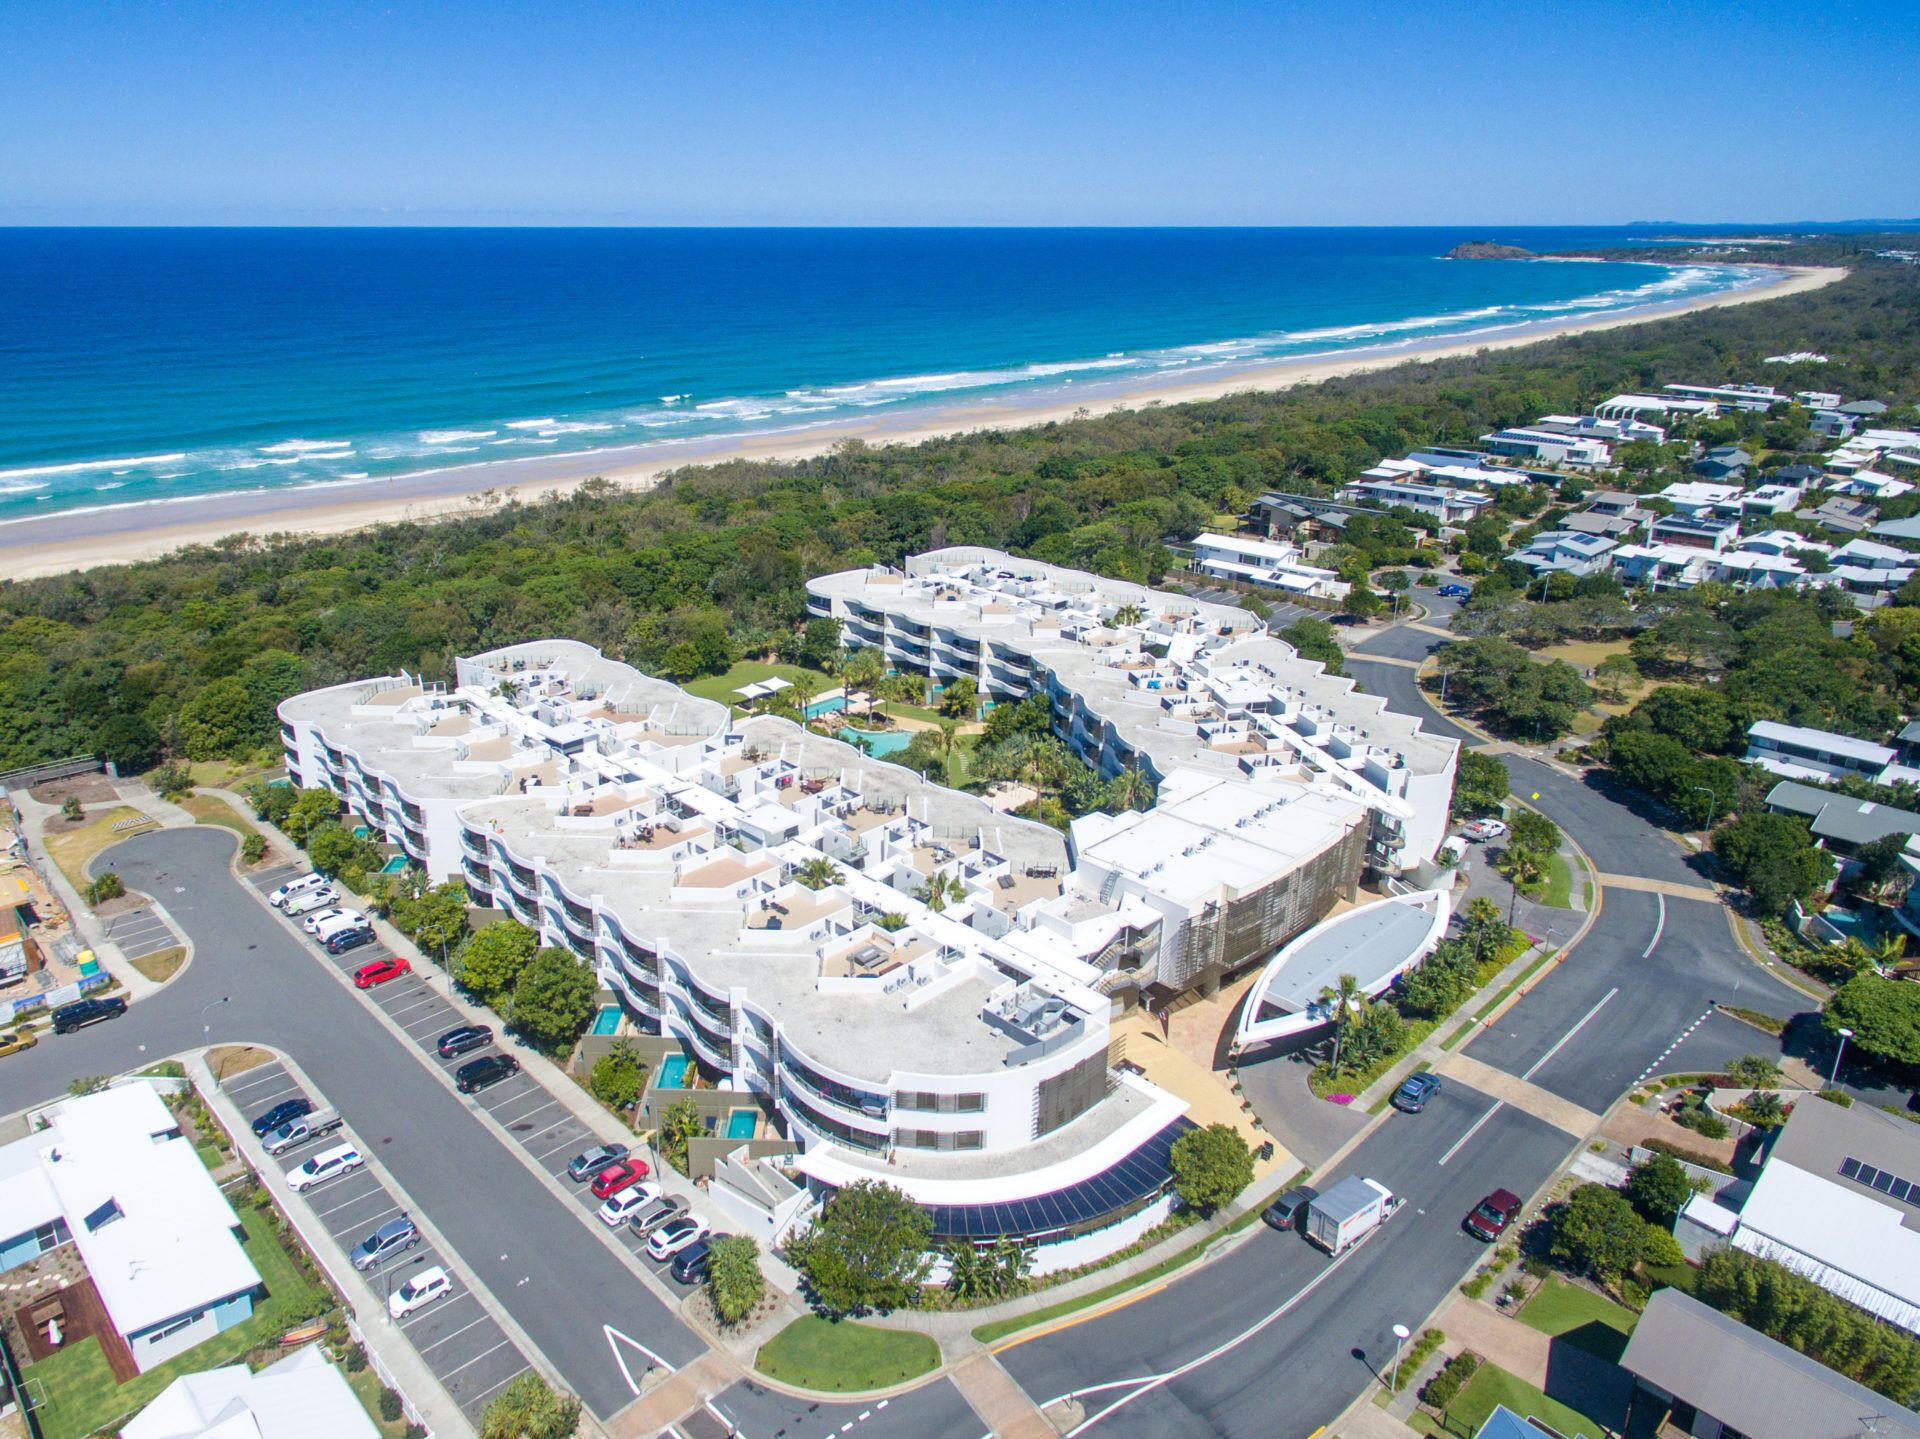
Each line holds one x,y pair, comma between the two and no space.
82,1012
464,1040
690,1264
284,1112
346,939
480,1073
1412,1096
1289,1211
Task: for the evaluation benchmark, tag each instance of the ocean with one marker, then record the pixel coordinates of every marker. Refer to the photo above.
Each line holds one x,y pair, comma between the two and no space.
142,366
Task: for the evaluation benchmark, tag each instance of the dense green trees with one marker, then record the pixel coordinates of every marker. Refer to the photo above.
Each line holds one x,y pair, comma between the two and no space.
491,962
1511,690
1774,858
1598,1232
1210,1166
1314,639
1479,785
1884,1015
868,1249
553,999
529,1408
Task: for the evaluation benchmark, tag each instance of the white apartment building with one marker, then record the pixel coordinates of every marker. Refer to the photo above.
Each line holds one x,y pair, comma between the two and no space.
1551,447
1629,407
1140,678
1445,504
1272,563
1733,397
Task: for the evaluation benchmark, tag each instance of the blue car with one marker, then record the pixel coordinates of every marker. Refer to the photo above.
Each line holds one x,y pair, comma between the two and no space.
1454,592
1412,1097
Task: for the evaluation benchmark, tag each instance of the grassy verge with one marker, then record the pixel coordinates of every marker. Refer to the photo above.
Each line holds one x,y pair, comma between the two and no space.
367,1387
1555,889
81,1397
1493,1386
163,966
75,849
839,1357
720,688
1771,1024
206,809
1584,1319
1507,989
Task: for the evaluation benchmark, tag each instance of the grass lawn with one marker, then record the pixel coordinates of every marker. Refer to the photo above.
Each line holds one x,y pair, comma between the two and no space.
206,809
74,849
230,773
1585,655
845,1357
751,672
1493,1386
1583,1318
163,966
1555,890
366,1387
81,1397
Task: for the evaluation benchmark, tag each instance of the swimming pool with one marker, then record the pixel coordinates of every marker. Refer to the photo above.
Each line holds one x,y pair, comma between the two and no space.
607,1020
826,707
673,1072
878,743
743,1123
395,865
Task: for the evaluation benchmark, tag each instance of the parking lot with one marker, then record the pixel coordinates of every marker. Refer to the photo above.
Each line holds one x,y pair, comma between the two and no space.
546,1129
141,932
457,1338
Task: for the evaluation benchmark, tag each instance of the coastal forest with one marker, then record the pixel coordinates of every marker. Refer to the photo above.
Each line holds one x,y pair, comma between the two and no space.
187,656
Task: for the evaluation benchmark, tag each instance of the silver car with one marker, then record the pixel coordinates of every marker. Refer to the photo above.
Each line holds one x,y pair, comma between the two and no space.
388,1240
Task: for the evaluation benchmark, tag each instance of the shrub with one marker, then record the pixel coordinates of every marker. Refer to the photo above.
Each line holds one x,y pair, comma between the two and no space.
1211,1166
390,1406
734,1281
71,809
1691,1156
1702,1121
1417,1354
253,848
1662,1250
1836,1096
171,781
355,1359
106,885
1445,1386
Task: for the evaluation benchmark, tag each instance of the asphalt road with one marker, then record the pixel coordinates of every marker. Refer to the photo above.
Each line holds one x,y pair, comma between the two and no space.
555,1276
933,1411
1264,1342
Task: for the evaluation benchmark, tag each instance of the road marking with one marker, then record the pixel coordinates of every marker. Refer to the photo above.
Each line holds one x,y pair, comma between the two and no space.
447,1378
484,1318
374,1193
551,1103
274,1075
433,1020
1705,1014
398,1010
1562,1041
1149,1382
653,1360
484,1393
566,1143
1072,1320
1659,925
1498,1105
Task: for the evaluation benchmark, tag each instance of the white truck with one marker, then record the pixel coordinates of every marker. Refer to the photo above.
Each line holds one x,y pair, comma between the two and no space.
1348,1212
296,1132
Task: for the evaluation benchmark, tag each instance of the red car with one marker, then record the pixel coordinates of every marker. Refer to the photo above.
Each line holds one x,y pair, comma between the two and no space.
379,972
1492,1215
616,1177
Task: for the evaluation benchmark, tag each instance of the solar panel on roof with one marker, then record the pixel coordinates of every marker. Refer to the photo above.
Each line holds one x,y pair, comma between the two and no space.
1144,1172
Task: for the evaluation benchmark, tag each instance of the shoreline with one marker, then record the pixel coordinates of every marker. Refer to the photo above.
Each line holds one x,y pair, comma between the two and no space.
87,538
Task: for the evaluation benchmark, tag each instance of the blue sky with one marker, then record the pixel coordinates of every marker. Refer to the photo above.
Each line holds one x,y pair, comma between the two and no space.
577,111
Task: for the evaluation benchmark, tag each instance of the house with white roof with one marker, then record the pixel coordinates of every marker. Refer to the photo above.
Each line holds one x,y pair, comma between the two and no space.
1273,563
1445,504
1614,430
1692,497
1565,552
1575,452
299,1397
1795,752
1869,484
1767,501
111,1174
1627,407
1661,567
1837,1202
1758,398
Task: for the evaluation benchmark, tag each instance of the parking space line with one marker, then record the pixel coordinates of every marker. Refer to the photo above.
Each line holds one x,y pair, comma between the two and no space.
431,1019
377,1192
505,1096
374,1221
551,1103
567,1143
273,1094
398,1010
485,1394
448,1377
268,1073
427,1349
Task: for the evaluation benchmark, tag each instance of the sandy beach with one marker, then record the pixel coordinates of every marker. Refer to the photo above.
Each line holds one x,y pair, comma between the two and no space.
61,542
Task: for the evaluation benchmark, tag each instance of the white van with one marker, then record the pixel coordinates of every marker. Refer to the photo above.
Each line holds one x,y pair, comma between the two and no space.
333,924
310,900
296,887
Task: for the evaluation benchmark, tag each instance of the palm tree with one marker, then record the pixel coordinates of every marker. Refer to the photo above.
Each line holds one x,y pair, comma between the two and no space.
1131,789
1346,1002
818,872
949,732
803,689
1012,1261
1128,614
1889,950
940,890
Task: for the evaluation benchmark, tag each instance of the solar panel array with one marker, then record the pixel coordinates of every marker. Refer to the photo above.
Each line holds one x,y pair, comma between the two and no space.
1146,1171
1894,1187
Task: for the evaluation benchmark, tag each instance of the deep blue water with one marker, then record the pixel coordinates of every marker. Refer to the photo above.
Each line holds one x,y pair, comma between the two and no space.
142,365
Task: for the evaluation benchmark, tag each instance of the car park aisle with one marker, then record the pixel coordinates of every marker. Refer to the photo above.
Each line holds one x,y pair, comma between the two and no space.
456,1337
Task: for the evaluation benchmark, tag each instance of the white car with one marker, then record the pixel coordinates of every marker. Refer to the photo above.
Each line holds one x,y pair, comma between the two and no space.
295,887
419,1291
623,1204
676,1234
319,919
310,901
327,1164
1485,829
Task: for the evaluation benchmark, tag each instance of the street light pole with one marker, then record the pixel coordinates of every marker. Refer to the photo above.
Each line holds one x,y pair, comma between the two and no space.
1833,1080
1712,800
206,1025
1400,1335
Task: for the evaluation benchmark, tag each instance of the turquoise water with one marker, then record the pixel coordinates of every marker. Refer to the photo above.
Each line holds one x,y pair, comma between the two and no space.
395,865
673,1072
878,743
826,707
607,1020
156,365
742,1124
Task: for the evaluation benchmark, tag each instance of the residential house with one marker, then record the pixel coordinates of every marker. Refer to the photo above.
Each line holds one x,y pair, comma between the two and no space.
1615,430
1907,529
1818,399
1700,1372
1724,462
1840,823
1659,566
1692,497
1701,531
1795,752
1831,423
1832,1204
1617,503
1613,527
1627,407
1302,518
1757,398
1503,1423
299,1397
1868,484
1768,501
111,1175
1865,409
1449,506
1841,516
1871,573
1804,475
1271,563
1552,447
1566,552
